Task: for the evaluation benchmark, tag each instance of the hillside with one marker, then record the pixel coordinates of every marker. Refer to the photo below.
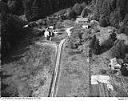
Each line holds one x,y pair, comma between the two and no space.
29,60
111,12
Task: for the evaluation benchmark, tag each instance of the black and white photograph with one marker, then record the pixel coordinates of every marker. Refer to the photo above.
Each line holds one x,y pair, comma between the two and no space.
64,49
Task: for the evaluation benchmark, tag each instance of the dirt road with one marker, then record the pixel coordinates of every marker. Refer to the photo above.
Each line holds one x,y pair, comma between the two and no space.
57,70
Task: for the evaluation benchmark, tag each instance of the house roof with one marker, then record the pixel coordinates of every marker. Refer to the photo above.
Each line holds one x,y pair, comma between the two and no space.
82,19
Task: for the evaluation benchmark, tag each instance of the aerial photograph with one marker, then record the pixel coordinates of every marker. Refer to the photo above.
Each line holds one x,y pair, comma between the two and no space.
64,48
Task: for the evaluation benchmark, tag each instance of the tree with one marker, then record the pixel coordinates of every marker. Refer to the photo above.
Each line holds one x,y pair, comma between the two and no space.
94,45
77,9
118,50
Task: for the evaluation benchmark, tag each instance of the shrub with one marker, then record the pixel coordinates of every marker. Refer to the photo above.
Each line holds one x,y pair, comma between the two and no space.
103,22
74,42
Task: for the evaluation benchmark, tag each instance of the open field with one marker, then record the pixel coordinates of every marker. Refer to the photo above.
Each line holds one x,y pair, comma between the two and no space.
30,75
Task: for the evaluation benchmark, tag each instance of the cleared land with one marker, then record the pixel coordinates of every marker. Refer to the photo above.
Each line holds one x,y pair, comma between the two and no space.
31,75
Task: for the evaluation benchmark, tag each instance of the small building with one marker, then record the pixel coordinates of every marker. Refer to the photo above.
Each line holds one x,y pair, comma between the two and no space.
82,20
114,64
86,26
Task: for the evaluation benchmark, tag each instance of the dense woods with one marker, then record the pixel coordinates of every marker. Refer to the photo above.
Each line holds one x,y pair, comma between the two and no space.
35,9
110,12
107,12
11,10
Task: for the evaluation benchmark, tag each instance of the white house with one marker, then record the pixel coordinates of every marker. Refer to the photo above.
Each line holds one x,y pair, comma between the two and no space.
85,26
82,20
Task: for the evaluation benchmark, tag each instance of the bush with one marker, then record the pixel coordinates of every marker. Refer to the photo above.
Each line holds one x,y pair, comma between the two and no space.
73,42
103,22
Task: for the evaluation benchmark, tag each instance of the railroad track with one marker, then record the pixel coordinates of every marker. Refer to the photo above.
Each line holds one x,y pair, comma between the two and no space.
54,82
